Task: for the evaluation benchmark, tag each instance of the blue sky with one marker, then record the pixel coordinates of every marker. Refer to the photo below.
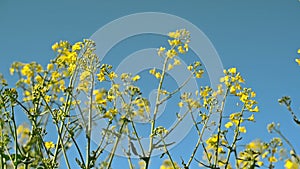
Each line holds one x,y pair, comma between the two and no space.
260,38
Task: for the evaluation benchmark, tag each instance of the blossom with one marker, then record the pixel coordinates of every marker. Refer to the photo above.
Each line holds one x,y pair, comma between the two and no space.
171,53
228,124
180,49
289,164
298,61
272,159
170,66
136,78
55,46
174,34
177,61
152,71
232,70
49,145
180,104
157,75
50,66
255,109
242,129
251,118
190,67
160,51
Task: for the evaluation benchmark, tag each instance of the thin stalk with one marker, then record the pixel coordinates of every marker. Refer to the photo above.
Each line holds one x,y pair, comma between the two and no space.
128,156
288,142
156,108
235,138
59,138
112,154
200,134
99,149
16,136
175,91
138,138
89,128
168,153
219,125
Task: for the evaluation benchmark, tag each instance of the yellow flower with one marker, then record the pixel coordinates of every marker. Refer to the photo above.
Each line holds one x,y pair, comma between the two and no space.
11,70
199,73
84,75
228,124
255,109
171,53
244,97
289,164
232,70
190,68
47,98
55,46
181,50
160,51
152,71
260,163
49,145
180,104
26,71
174,34
186,47
112,75
167,164
101,76
142,164
110,97
170,66
177,61
23,131
298,61
251,118
110,113
298,51
272,159
253,94
39,79
242,129
232,90
157,75
50,66
77,46
136,78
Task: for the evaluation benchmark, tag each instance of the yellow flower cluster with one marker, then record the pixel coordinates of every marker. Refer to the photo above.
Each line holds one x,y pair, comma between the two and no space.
189,101
178,45
155,73
196,70
67,55
105,71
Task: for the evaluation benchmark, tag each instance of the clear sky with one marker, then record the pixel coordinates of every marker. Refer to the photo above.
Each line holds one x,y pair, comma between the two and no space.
260,38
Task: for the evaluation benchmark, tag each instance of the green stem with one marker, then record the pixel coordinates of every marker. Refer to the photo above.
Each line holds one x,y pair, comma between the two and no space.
219,125
235,138
138,138
168,153
156,109
112,154
200,134
89,128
